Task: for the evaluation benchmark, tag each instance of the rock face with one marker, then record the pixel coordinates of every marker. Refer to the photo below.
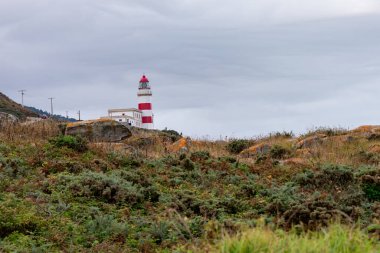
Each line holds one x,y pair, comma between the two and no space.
8,117
99,130
182,145
257,150
311,141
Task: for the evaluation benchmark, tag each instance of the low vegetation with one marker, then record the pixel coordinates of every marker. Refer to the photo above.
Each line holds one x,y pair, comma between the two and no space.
63,194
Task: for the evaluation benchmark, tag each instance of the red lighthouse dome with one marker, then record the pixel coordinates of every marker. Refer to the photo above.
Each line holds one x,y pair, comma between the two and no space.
144,79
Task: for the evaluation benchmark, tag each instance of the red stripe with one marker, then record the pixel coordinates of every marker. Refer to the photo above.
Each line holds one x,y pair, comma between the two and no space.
147,120
145,106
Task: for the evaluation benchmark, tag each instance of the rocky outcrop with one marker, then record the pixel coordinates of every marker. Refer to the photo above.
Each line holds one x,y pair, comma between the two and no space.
257,150
311,141
182,145
103,130
8,117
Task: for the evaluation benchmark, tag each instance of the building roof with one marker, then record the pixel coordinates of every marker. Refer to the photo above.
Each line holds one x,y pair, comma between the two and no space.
124,110
144,79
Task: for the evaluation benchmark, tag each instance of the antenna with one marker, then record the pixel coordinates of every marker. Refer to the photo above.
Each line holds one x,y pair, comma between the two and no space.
51,106
22,96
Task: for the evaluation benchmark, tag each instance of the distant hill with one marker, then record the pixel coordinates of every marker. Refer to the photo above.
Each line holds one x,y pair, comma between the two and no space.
55,116
9,106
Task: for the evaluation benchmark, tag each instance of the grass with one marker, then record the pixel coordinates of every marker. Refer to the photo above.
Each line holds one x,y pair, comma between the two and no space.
335,239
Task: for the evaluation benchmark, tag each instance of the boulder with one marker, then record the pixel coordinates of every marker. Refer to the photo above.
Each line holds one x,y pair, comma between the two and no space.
311,141
182,145
257,150
8,117
296,162
367,129
102,130
374,149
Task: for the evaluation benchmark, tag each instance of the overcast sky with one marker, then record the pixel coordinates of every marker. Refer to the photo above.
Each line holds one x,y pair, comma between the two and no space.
217,68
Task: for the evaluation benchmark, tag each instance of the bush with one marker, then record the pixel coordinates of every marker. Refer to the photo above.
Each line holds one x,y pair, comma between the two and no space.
187,164
73,142
371,191
111,189
236,146
199,156
279,152
330,176
17,216
160,231
104,226
172,134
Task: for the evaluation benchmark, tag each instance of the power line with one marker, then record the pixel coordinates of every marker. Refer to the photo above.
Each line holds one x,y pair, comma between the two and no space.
51,106
22,96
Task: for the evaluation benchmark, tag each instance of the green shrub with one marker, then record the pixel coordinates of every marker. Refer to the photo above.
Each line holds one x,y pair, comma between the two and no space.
13,167
371,191
172,135
279,152
187,164
73,142
104,226
329,177
160,231
111,189
236,146
17,215
199,156
123,161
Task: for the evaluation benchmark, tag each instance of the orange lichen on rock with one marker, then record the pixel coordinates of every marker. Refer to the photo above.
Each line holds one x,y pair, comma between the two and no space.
296,161
85,122
375,149
311,141
259,149
367,129
180,145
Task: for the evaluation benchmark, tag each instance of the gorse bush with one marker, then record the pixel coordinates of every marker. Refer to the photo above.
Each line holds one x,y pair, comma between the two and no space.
172,134
16,216
199,156
236,146
104,226
279,152
73,142
96,185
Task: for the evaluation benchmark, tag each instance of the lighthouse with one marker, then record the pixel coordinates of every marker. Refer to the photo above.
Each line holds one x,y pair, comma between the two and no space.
144,95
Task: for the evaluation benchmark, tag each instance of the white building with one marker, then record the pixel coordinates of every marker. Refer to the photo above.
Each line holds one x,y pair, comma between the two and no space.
129,116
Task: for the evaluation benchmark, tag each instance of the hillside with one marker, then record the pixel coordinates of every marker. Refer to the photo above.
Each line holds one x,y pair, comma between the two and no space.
158,192
8,106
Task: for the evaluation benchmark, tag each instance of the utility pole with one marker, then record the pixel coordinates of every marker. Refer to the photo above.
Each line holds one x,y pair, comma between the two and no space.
22,96
79,114
51,106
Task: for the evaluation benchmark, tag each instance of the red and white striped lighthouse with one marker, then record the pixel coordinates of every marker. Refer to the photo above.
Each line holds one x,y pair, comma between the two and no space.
145,105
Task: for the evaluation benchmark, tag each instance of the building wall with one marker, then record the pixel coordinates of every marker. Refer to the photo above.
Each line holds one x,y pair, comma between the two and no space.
129,117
